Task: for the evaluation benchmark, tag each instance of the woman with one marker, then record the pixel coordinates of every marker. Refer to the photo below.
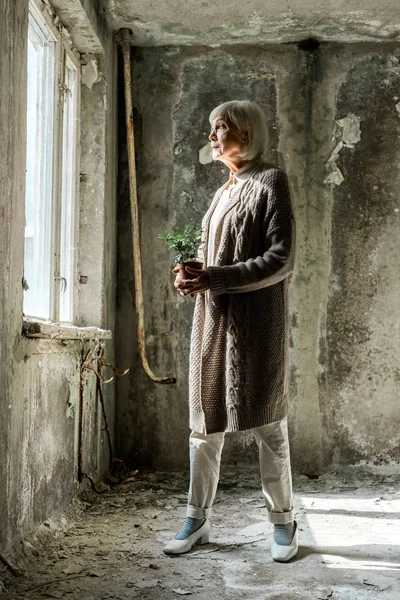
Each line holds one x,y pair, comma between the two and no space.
239,375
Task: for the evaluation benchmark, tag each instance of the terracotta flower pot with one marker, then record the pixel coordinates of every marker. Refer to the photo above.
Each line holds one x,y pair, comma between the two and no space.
183,274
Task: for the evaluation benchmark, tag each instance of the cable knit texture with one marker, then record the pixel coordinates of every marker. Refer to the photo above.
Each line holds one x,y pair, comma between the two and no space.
239,372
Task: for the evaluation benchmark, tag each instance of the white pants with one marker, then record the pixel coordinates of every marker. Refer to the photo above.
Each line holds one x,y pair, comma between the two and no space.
276,477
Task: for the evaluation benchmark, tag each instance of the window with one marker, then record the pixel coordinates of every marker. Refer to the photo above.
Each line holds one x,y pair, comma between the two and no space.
51,171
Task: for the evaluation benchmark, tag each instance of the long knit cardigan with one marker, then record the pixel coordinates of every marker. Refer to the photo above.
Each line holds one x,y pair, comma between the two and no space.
239,372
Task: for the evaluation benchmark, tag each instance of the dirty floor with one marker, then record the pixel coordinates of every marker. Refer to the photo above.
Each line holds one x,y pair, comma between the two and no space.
109,546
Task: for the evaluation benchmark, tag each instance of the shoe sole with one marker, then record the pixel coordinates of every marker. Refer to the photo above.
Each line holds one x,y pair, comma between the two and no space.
285,560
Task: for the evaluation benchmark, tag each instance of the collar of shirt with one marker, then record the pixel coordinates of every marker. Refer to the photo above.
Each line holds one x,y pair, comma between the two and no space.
243,174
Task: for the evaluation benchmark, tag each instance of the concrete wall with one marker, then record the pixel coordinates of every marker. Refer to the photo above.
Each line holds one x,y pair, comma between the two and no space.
39,398
344,297
273,22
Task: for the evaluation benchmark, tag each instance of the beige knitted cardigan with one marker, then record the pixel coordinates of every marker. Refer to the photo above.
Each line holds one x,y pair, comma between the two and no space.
239,372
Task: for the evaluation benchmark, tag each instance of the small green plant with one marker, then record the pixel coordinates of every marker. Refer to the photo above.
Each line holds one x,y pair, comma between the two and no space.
185,242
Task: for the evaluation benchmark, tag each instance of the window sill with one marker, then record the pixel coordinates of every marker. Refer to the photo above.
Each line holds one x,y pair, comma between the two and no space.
53,331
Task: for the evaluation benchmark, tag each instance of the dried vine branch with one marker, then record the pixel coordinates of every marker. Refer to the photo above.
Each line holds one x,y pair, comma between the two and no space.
95,354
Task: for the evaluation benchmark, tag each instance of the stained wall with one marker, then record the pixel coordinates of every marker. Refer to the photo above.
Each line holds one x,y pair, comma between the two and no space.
40,378
344,178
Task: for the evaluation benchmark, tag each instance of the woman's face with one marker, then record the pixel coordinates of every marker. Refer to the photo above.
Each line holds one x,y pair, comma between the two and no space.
227,142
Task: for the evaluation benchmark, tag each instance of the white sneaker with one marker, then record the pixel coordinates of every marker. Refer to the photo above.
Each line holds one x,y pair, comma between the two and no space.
200,536
285,553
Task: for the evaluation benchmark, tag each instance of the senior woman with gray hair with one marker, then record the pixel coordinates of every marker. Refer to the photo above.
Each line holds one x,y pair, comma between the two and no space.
239,372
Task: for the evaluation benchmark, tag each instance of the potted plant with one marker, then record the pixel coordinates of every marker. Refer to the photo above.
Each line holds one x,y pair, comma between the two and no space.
186,243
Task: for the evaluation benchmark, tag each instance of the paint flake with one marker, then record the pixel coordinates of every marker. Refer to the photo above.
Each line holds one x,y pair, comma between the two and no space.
348,134
91,73
351,133
205,155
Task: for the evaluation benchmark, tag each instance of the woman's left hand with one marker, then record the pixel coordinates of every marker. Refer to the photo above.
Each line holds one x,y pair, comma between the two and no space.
201,283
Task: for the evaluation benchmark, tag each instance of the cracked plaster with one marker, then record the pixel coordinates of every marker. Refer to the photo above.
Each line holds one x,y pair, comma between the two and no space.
198,23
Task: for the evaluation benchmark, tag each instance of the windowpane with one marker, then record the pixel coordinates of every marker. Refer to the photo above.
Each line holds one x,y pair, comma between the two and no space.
67,257
39,168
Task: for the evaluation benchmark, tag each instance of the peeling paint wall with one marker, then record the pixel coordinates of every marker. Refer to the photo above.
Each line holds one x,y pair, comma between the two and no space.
363,312
39,397
331,109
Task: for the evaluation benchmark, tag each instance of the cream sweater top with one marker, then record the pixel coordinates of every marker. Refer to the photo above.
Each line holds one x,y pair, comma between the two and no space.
235,182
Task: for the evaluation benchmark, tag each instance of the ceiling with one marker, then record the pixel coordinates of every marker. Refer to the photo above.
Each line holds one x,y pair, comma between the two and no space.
211,22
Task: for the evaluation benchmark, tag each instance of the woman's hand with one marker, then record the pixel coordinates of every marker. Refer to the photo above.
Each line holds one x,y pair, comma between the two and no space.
178,281
191,287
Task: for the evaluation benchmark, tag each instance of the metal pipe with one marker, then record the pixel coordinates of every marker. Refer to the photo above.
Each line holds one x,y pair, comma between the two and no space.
124,39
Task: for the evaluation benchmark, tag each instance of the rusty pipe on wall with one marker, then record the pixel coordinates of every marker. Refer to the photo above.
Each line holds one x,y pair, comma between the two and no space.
124,37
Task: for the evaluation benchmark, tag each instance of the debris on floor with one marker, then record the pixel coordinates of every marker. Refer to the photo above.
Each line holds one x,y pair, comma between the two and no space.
109,546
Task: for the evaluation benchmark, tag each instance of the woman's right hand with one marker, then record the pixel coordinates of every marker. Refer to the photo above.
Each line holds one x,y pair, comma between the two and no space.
178,283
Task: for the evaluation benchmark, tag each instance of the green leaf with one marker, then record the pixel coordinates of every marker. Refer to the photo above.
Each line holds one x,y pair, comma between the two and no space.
186,242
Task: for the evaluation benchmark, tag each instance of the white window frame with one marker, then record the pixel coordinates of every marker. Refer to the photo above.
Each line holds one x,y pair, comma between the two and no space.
71,60
64,53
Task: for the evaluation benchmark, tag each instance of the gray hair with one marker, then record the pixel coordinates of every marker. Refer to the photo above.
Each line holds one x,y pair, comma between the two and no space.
247,116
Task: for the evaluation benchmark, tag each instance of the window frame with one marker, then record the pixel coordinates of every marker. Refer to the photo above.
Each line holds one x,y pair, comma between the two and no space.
68,55
64,53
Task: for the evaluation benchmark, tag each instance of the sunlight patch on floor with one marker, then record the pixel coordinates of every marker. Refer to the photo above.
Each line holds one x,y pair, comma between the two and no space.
340,562
352,531
378,504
